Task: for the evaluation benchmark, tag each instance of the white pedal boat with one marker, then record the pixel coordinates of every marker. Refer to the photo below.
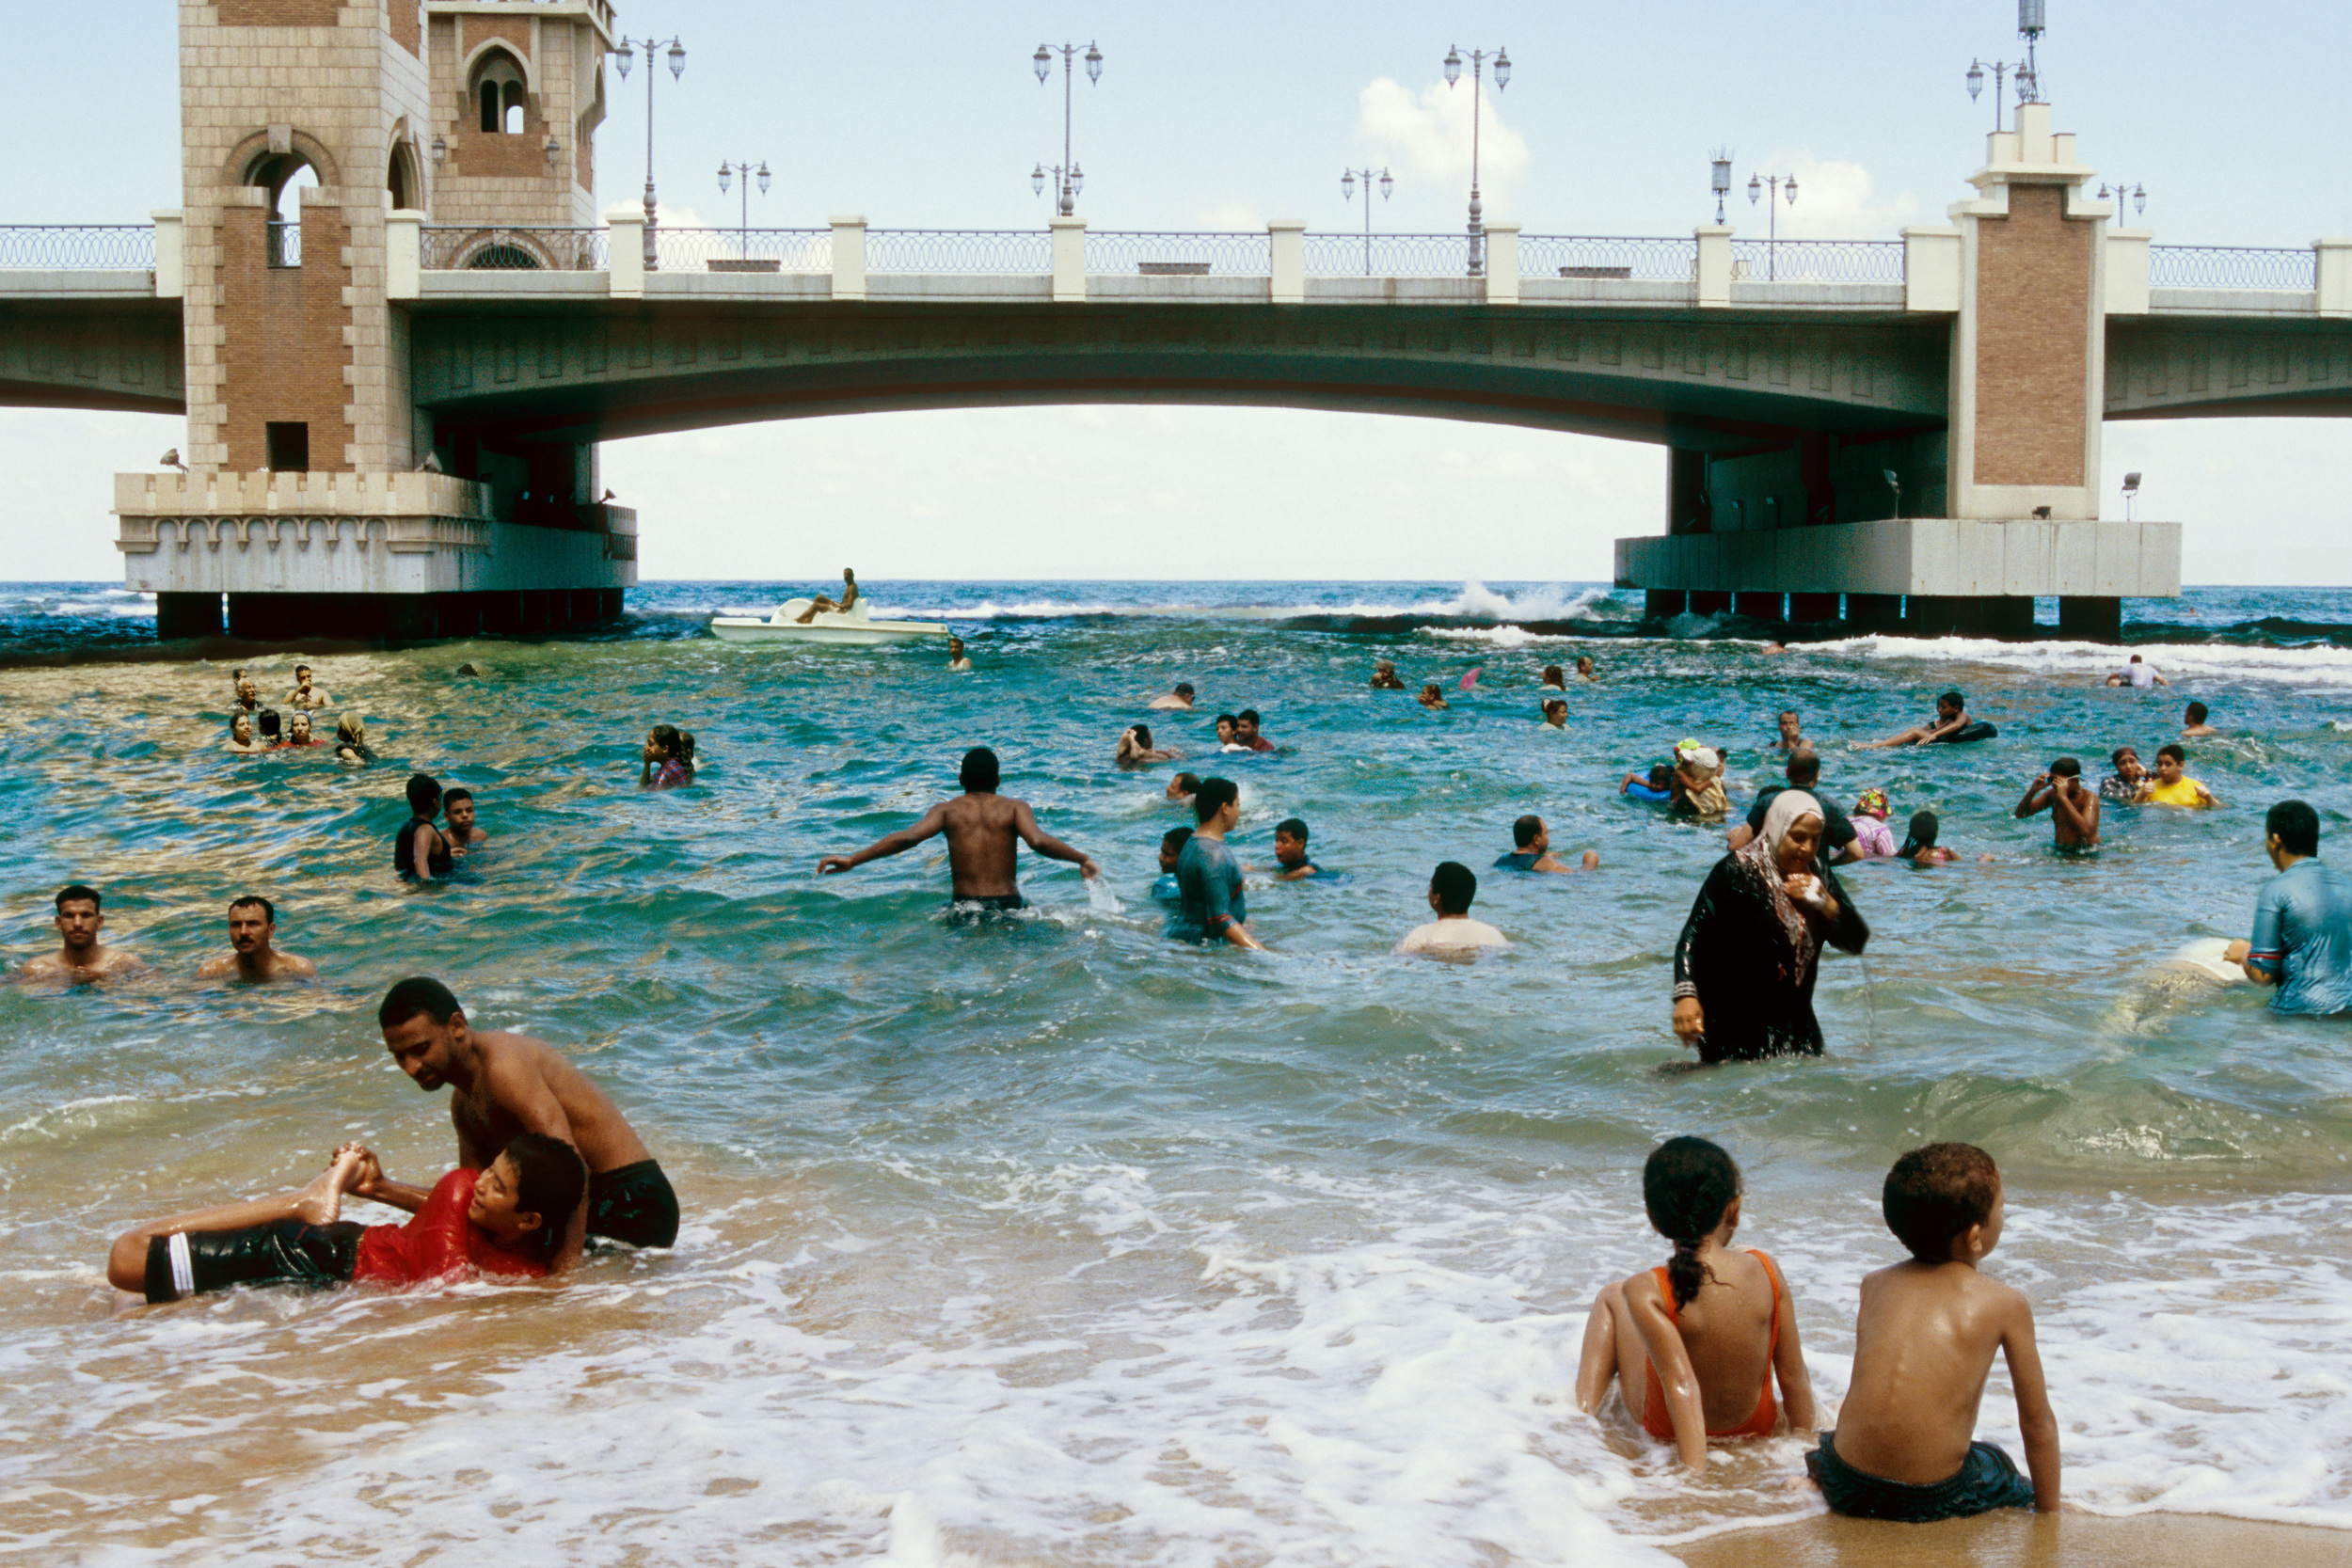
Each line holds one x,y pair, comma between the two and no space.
851,626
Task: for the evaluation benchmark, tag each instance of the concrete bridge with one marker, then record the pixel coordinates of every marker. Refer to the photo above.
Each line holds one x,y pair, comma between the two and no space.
481,325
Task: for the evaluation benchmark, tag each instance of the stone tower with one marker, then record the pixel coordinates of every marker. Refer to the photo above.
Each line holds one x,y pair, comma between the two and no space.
309,128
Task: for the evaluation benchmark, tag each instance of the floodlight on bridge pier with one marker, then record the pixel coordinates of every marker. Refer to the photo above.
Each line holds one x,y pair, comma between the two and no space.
2131,494
1720,181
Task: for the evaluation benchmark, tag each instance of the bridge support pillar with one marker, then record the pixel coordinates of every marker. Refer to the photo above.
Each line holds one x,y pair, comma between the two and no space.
1756,607
1663,604
1811,608
2005,616
2090,618
1707,601
179,615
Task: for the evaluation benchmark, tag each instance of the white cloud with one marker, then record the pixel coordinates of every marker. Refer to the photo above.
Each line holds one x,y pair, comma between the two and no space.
1428,139
1836,200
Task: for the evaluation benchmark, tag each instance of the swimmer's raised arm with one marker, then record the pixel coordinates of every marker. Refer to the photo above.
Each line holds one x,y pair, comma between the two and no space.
1043,843
934,822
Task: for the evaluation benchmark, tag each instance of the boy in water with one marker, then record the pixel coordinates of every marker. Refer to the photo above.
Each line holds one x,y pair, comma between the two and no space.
457,811
1453,934
2074,810
510,1219
1172,842
1210,907
2193,722
1291,864
2172,787
1924,1340
1951,717
1532,850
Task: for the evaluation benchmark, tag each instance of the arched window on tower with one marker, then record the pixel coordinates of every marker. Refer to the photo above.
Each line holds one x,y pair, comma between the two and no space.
498,94
285,177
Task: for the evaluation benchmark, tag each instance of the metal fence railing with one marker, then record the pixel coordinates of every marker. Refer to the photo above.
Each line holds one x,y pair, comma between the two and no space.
285,244
1629,257
1392,256
72,247
797,250
2214,266
1027,252
1131,253
1818,260
515,247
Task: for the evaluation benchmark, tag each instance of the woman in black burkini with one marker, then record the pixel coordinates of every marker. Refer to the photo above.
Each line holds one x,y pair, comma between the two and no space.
1745,965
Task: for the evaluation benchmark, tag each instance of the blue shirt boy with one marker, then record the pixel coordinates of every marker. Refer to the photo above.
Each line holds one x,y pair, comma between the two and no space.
2303,936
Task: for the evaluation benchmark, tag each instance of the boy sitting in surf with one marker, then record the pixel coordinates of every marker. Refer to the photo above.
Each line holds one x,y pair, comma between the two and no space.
1924,1340
510,1220
1696,1347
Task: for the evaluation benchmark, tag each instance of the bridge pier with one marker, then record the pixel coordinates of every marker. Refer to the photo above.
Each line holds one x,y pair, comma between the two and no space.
1874,613
391,556
2003,501
1665,604
1756,607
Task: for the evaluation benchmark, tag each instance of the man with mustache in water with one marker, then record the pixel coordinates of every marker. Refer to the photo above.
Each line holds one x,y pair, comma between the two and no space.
252,922
981,827
505,1083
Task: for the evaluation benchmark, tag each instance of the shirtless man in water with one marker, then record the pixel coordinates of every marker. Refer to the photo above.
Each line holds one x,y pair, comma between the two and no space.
2073,808
981,826
503,1084
252,922
80,957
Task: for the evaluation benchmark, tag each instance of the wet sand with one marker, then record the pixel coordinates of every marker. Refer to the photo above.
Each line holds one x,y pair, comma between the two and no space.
2015,1539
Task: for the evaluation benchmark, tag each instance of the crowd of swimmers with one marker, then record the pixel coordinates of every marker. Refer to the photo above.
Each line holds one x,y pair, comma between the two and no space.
255,728
1700,1349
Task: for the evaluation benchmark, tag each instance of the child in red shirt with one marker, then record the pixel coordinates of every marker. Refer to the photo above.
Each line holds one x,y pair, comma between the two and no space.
506,1220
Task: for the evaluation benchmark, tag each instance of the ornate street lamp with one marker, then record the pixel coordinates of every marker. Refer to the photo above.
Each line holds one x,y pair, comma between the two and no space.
2136,194
1719,180
726,173
1068,180
1772,242
1347,193
1479,58
626,52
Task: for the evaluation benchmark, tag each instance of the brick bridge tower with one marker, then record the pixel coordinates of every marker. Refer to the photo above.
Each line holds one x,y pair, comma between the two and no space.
316,501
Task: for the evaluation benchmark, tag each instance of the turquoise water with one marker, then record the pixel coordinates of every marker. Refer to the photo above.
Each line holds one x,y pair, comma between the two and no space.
1046,1241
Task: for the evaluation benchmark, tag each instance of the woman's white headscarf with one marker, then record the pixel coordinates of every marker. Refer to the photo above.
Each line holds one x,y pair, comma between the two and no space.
1760,859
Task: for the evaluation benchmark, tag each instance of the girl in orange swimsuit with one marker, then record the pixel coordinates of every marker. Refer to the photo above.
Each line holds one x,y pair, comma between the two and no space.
1742,1334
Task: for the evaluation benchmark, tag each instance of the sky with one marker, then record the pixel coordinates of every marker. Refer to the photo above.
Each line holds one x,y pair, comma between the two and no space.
1219,115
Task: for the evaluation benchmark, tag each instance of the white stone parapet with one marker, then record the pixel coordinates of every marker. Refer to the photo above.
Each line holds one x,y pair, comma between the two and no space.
1502,263
1714,266
1069,260
849,257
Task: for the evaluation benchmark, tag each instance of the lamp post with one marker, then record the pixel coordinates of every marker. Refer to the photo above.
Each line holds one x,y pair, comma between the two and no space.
1772,207
2002,72
1719,180
627,49
1502,79
2136,194
1068,180
1347,193
726,172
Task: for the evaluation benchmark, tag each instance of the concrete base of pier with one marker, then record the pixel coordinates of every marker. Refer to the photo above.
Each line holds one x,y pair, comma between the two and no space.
286,557
1921,577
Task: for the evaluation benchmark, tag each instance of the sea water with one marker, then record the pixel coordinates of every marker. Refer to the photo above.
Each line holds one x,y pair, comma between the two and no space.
1044,1241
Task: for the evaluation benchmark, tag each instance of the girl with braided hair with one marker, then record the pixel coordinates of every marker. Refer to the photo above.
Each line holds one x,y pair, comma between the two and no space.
1694,1347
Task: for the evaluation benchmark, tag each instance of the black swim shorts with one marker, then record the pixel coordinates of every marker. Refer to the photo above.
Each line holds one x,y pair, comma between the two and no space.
985,904
1986,1480
633,1204
282,1252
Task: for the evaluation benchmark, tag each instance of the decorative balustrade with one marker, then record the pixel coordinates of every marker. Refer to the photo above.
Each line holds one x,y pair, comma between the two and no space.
1019,252
76,246
1631,259
797,250
2214,266
1818,260
1167,253
1391,256
515,247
